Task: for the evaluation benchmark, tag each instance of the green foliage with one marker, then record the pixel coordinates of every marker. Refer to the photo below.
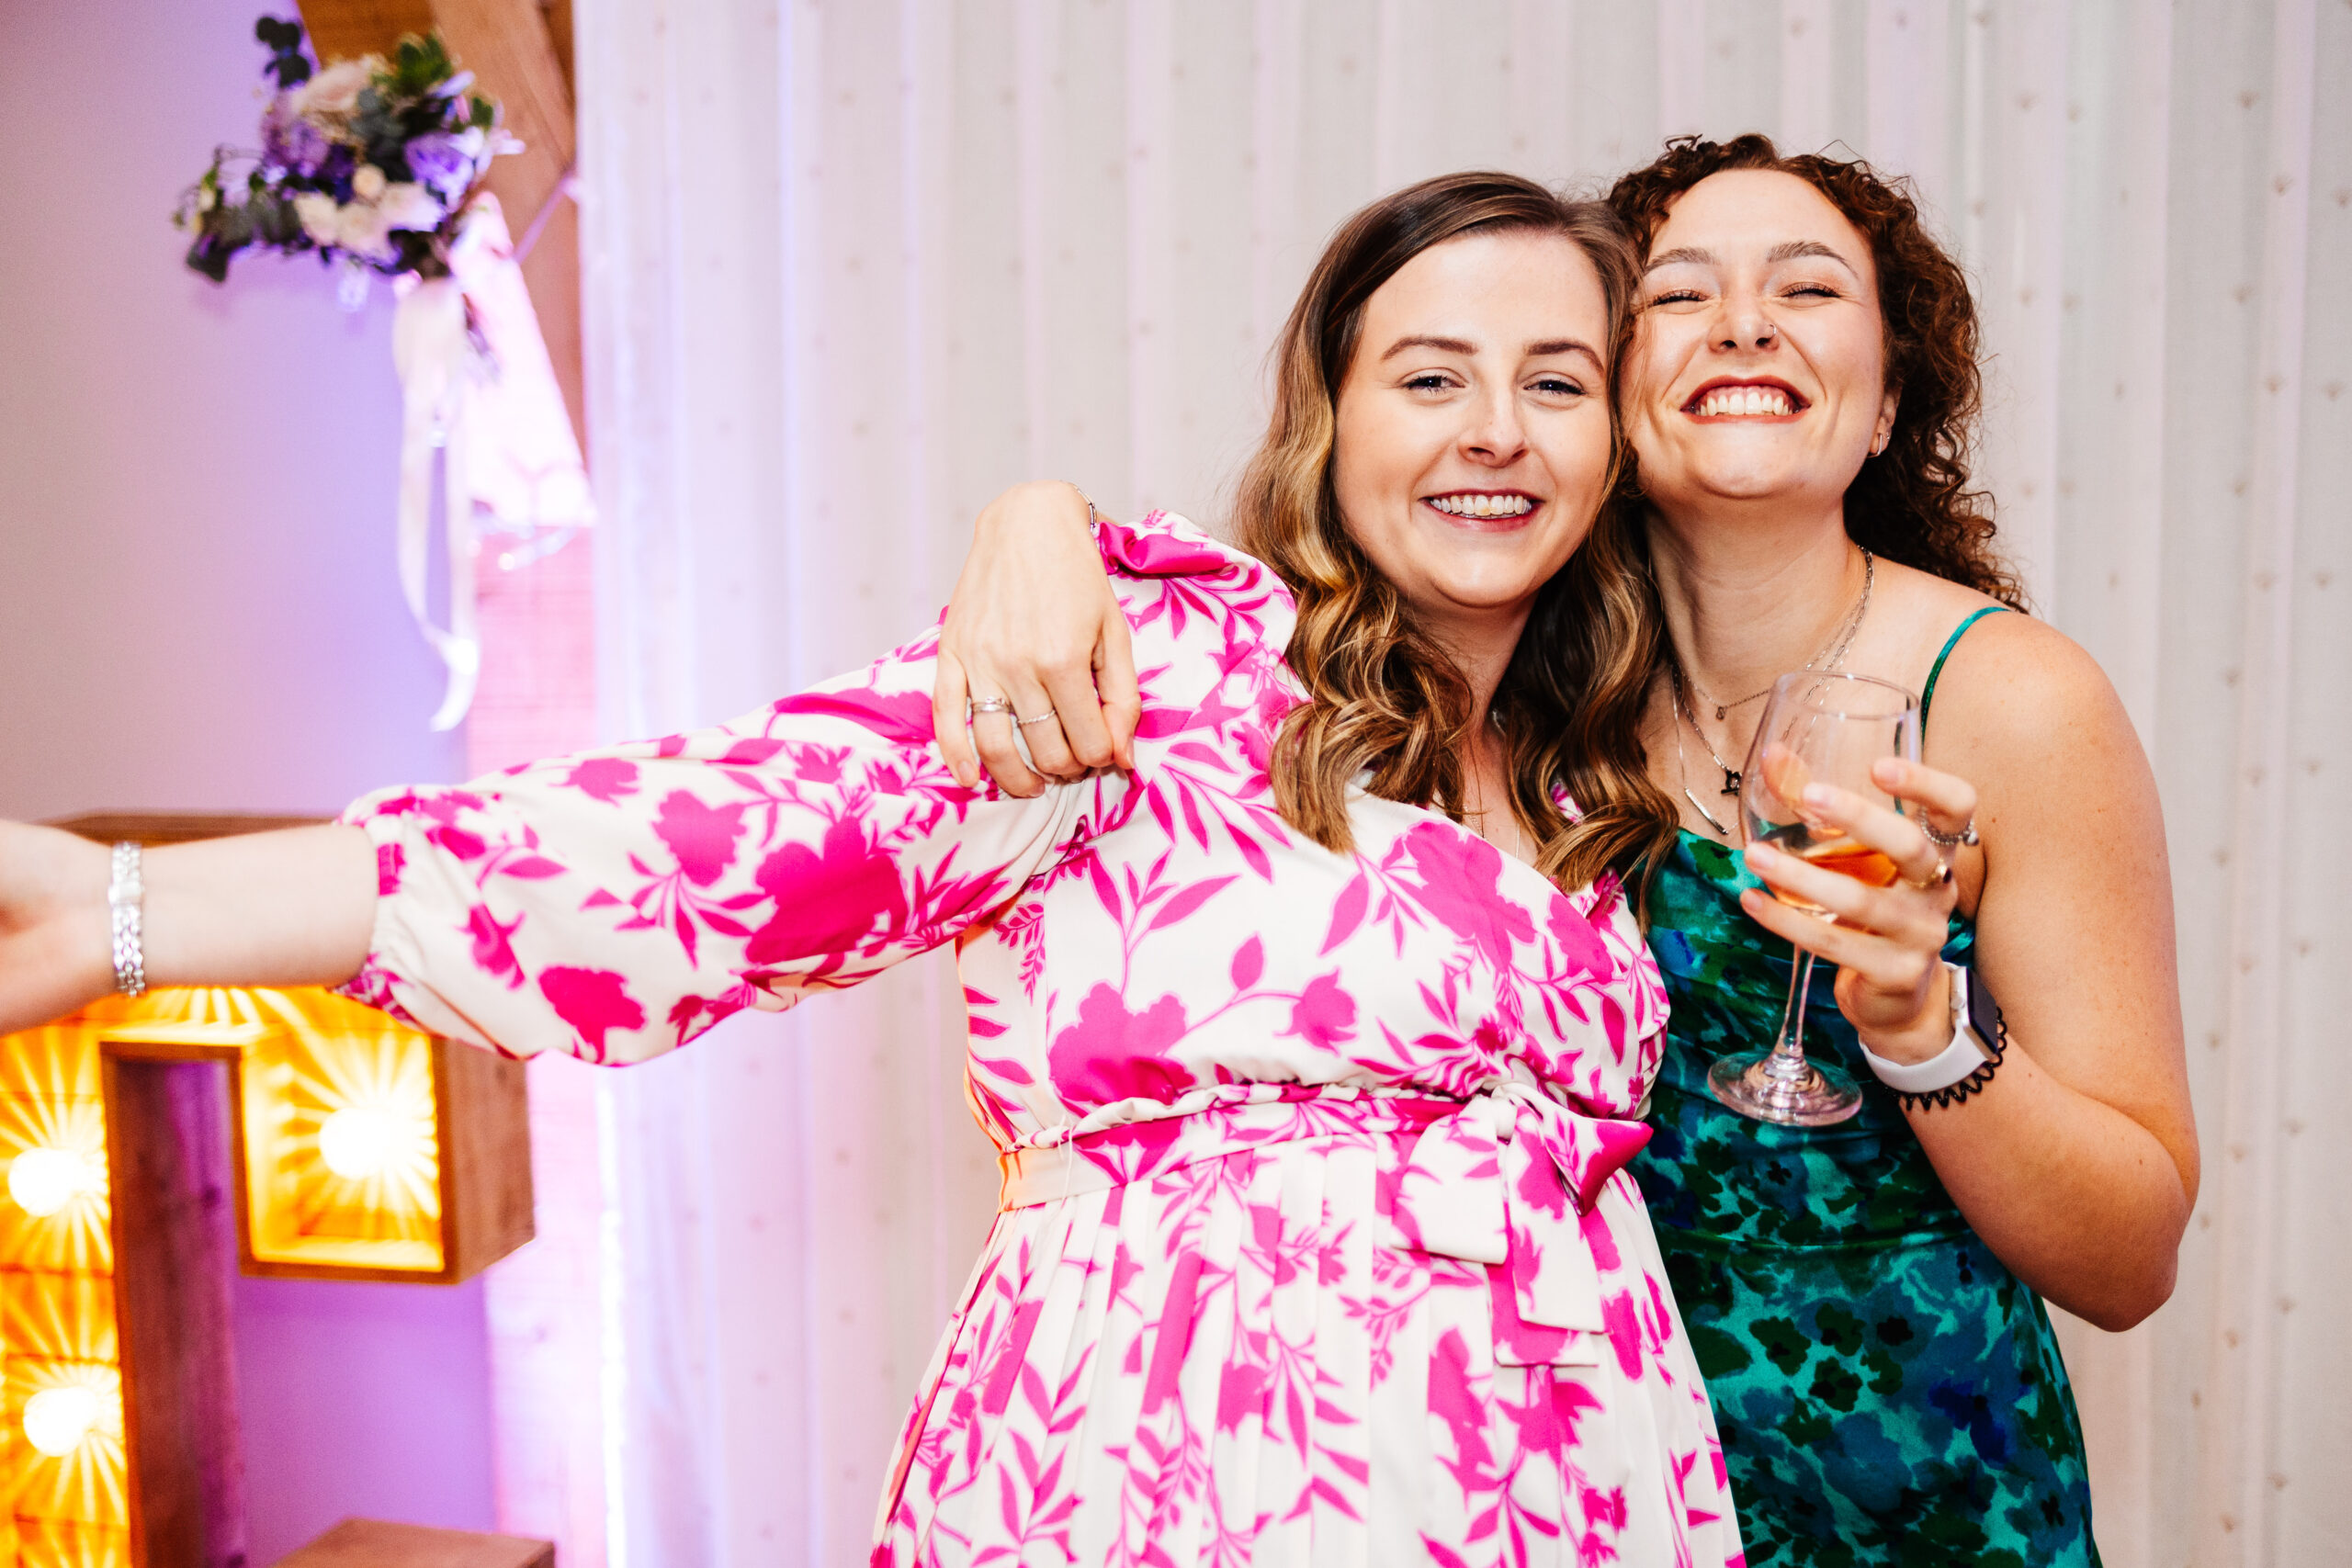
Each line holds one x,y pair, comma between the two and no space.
418,66
288,64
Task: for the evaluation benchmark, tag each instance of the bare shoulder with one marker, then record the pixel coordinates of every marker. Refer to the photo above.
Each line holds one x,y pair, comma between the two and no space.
2016,693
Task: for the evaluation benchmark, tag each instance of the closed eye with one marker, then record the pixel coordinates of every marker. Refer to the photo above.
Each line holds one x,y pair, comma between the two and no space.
1678,296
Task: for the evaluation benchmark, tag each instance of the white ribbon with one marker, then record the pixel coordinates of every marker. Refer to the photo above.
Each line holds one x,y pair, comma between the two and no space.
508,454
433,354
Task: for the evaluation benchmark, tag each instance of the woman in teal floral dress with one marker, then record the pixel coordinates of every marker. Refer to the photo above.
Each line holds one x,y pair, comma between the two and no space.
1865,1300
1887,1391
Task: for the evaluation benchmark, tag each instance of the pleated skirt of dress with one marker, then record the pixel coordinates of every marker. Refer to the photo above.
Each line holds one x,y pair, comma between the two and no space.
1229,1363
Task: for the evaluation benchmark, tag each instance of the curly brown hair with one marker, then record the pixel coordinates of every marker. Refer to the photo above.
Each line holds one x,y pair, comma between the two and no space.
1913,503
1383,698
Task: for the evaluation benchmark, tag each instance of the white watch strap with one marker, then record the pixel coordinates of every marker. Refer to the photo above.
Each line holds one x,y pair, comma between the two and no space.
1953,1063
1948,1066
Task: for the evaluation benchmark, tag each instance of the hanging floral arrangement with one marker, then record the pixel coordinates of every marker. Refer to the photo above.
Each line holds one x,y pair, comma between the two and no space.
368,161
378,163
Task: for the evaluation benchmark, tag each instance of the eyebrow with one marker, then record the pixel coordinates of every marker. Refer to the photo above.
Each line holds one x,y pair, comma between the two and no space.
1787,250
1790,250
1536,350
1679,256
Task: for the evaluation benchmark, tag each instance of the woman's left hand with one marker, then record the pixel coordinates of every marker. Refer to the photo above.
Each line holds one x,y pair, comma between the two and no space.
1886,941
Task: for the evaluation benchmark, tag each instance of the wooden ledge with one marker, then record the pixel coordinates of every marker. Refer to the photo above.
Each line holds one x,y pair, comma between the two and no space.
372,1543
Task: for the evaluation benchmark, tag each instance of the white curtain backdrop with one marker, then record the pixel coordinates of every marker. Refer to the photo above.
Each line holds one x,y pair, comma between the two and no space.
853,265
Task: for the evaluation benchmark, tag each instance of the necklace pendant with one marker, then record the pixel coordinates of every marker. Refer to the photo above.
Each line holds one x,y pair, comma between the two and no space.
1719,713
1730,781
1708,816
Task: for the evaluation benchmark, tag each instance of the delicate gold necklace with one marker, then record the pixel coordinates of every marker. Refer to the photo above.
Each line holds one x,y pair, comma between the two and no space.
1478,812
1835,648
1843,638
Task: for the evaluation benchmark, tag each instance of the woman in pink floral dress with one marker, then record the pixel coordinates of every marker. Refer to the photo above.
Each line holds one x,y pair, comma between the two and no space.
1313,1094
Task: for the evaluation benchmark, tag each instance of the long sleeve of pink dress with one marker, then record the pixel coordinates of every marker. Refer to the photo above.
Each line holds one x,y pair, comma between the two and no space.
1315,1245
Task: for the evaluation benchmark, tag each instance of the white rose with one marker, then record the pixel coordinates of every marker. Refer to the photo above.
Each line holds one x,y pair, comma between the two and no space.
408,206
360,229
317,211
336,89
368,183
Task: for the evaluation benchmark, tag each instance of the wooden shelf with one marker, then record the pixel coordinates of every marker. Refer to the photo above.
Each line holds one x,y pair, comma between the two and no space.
372,1543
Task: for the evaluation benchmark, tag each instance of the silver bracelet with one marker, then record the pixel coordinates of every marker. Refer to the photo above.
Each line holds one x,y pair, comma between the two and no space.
1093,518
127,907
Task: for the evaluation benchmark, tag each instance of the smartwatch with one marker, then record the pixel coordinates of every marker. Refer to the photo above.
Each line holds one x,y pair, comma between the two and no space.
1978,1039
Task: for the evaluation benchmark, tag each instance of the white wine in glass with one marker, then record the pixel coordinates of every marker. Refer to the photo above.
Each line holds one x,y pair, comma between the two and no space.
1816,728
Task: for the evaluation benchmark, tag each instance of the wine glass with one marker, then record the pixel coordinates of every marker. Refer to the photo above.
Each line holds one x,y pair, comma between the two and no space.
1818,729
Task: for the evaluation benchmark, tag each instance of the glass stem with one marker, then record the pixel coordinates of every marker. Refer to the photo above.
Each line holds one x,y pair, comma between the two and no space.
1788,1064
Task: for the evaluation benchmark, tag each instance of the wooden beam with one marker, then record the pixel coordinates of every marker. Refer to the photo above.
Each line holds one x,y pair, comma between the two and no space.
346,29
175,1250
559,34
506,45
512,47
174,826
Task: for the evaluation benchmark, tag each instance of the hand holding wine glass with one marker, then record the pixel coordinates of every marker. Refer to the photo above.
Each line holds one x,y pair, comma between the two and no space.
1818,828
1820,807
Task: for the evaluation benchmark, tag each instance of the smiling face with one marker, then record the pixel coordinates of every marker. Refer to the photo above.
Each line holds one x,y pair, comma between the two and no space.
1472,441
1758,371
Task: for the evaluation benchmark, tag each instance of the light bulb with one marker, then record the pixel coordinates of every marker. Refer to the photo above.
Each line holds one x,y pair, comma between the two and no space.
44,1180
360,1141
57,1419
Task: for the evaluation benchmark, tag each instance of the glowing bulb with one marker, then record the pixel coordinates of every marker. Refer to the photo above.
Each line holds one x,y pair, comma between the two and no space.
57,1419
360,1141
43,1181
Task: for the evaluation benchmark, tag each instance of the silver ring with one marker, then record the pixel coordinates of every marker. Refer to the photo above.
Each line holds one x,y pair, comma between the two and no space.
986,704
1039,720
1967,834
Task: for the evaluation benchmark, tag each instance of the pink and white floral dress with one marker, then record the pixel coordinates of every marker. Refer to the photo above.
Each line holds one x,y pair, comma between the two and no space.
1316,1246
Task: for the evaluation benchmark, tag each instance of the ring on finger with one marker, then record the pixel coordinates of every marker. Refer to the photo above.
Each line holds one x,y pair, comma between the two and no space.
977,705
1038,719
1942,878
1967,835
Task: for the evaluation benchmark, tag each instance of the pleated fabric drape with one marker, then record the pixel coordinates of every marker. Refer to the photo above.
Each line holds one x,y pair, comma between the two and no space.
853,266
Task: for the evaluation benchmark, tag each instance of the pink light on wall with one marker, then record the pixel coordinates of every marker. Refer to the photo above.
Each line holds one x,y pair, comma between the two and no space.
537,698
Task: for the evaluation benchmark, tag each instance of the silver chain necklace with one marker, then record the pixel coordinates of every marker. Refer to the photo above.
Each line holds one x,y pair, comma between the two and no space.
1834,651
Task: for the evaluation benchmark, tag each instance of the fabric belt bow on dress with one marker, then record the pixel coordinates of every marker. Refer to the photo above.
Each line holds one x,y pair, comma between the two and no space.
1506,1177
1507,1180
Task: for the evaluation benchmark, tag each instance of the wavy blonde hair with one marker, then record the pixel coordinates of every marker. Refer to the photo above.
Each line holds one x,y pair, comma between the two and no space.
1381,697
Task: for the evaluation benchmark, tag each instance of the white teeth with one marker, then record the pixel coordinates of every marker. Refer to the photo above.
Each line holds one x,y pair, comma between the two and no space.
1744,401
1483,505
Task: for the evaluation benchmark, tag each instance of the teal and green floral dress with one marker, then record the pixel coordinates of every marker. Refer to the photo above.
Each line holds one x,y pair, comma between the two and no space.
1888,1393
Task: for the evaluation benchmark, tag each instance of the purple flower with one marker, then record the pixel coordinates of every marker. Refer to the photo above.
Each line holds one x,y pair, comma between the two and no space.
290,141
440,160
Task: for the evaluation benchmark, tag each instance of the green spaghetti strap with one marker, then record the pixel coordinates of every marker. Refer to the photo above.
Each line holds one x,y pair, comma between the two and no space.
1928,696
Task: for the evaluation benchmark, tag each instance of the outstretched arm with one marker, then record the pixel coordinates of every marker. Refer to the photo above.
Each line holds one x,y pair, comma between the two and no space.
286,908
611,904
1033,622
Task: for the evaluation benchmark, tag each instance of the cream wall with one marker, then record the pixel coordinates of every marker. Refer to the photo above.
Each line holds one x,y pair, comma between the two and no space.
196,602
197,611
